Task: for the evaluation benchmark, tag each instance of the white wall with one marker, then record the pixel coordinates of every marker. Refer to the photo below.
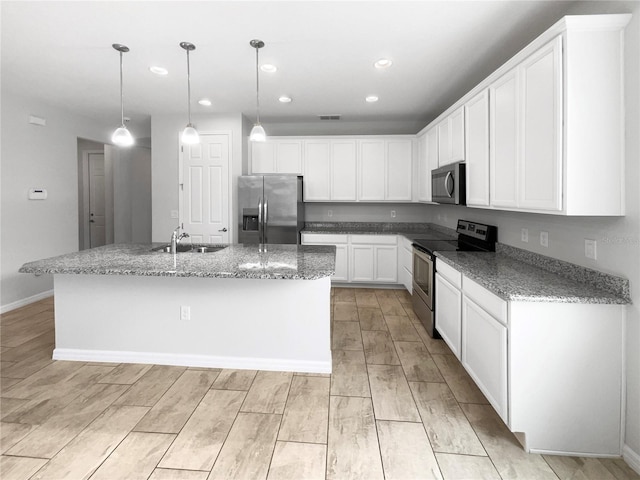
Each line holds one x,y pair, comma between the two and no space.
45,157
165,130
618,238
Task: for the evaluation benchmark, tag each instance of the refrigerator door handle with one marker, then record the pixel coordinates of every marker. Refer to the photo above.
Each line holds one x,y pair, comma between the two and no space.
260,226
266,220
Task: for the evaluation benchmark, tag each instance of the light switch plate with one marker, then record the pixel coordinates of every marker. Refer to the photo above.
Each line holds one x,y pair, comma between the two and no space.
174,213
590,249
524,235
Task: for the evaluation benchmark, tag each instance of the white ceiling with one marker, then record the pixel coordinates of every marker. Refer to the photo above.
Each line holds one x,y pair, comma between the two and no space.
61,52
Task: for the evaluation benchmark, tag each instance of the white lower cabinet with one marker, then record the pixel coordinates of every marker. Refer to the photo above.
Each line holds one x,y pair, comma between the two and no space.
552,371
341,243
448,313
361,258
405,263
484,354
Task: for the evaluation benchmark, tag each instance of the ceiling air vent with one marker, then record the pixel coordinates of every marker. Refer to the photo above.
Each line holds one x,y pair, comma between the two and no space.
330,117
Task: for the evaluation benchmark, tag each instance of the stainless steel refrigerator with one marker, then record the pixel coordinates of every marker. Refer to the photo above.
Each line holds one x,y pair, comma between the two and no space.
270,209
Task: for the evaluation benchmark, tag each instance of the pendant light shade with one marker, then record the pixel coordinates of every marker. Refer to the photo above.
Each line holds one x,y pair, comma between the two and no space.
122,136
257,132
190,135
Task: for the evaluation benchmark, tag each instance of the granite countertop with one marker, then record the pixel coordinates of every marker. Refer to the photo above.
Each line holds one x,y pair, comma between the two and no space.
515,280
293,262
409,230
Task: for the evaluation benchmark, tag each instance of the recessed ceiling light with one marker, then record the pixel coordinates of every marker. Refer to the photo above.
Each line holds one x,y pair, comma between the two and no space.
285,99
158,70
205,101
383,63
371,98
268,68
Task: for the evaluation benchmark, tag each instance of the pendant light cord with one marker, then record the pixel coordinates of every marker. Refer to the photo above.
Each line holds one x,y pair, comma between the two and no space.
188,88
257,88
121,94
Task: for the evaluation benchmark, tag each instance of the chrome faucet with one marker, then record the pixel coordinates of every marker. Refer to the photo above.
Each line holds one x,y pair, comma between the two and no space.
176,237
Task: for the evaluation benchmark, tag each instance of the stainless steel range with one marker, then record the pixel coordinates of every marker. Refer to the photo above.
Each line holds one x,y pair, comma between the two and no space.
471,237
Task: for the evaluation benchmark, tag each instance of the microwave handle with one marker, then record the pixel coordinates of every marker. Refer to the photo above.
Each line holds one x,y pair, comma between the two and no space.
446,184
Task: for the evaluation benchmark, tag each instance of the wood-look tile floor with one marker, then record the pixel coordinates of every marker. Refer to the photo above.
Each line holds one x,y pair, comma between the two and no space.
397,406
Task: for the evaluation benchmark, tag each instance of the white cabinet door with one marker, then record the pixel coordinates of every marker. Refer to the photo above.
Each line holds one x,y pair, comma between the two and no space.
448,313
484,354
398,170
540,163
342,264
477,145
424,170
504,140
372,170
289,156
386,263
317,170
343,170
263,157
444,143
361,267
341,243
456,130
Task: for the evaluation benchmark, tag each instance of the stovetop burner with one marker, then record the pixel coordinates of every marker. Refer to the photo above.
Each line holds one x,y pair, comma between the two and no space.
471,237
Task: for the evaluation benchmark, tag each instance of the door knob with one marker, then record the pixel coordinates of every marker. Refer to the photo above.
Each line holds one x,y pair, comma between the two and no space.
223,229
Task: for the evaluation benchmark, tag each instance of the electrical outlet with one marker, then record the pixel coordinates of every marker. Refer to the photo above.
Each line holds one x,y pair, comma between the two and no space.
174,213
544,239
393,214
590,249
185,312
524,235
330,213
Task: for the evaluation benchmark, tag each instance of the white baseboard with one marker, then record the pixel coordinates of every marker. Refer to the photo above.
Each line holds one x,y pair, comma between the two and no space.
186,360
632,458
25,301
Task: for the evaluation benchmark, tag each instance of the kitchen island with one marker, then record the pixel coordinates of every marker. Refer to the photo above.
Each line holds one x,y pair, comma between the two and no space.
243,306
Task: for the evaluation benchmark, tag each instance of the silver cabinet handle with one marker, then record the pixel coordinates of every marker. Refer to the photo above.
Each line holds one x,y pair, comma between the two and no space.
446,184
223,229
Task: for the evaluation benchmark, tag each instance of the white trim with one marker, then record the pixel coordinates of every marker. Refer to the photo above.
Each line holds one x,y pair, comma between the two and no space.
631,458
186,360
563,453
25,301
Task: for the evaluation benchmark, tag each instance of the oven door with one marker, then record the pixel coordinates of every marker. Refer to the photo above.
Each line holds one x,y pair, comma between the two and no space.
423,277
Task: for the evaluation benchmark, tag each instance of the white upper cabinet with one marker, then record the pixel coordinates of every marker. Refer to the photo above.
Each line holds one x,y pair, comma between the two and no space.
385,170
343,170
556,124
424,142
451,138
276,156
540,160
372,170
477,149
317,170
504,129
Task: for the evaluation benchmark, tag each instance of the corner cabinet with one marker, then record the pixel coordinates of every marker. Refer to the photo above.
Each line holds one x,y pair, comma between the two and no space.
538,363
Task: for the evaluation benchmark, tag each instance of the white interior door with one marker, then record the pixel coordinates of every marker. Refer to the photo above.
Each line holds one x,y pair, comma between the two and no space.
97,224
205,187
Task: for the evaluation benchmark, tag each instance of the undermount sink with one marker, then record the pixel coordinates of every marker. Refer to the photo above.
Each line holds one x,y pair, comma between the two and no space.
189,248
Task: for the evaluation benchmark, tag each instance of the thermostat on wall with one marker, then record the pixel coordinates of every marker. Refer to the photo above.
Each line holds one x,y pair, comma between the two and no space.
37,194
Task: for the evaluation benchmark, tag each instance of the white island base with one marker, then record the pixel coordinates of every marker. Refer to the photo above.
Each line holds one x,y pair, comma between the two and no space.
237,323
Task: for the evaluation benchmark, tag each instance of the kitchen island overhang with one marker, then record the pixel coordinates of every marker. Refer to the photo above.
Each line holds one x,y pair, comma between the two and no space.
250,306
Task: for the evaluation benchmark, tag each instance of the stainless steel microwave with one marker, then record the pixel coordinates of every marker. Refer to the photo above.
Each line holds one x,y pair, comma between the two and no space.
448,184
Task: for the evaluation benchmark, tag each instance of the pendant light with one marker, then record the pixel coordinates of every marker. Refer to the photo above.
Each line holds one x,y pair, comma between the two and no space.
121,137
189,134
257,132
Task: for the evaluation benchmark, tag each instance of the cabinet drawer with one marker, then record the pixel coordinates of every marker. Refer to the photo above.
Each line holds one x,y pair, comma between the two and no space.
324,238
448,272
374,239
491,303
